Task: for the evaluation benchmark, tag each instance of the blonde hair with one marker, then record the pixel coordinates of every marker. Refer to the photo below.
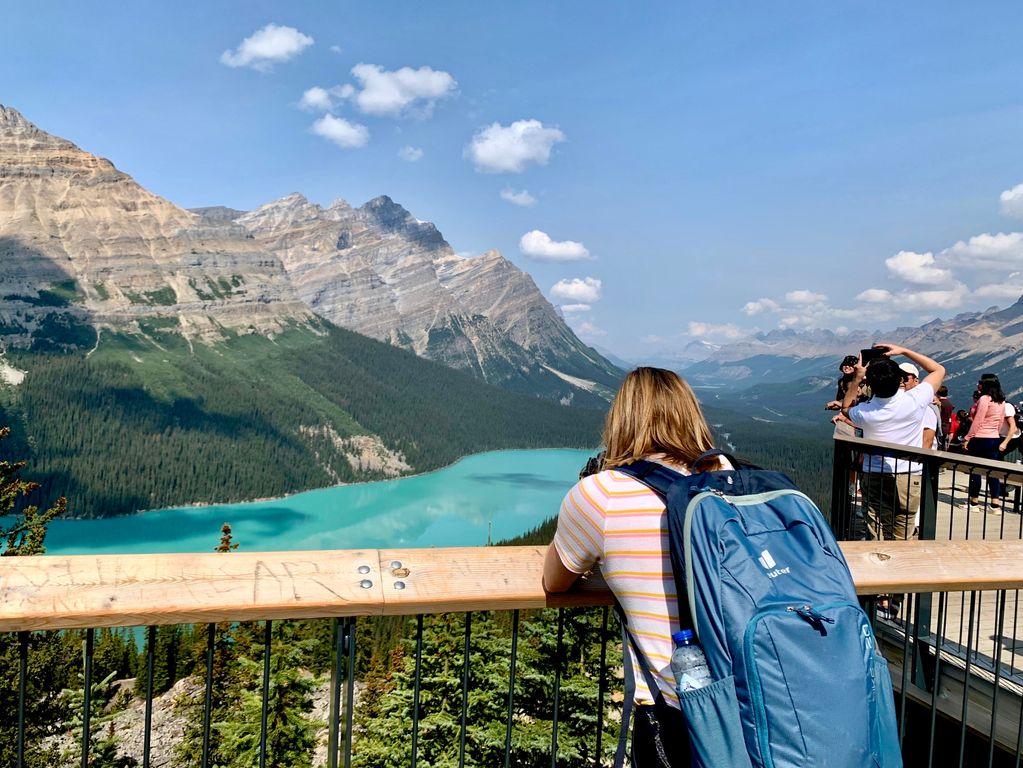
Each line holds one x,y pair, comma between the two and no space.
655,412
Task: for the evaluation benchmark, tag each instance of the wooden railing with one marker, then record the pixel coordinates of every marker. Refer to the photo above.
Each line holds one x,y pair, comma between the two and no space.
54,592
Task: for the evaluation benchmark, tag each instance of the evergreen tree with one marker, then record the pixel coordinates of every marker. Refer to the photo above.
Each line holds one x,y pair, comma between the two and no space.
290,732
27,533
103,740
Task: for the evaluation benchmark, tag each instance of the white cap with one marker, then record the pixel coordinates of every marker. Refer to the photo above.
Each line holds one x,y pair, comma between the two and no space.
909,369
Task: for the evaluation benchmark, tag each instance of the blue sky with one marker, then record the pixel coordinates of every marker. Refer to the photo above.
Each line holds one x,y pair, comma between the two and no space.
696,170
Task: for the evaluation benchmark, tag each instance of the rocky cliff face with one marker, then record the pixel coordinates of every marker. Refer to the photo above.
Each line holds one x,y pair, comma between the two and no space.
82,244
379,271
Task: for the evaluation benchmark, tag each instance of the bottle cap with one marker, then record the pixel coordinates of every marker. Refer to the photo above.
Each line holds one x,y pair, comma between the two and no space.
682,636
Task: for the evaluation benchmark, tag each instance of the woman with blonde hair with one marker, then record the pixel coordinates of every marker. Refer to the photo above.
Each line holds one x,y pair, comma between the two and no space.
615,522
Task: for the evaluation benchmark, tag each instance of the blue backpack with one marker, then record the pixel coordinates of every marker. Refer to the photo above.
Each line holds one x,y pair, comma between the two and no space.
799,680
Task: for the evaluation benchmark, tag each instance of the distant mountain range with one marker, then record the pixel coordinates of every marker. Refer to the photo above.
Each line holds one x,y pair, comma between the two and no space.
791,374
381,272
156,356
83,246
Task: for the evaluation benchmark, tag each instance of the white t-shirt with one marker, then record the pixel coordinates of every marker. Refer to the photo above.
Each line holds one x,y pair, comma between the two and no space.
1010,414
898,419
931,422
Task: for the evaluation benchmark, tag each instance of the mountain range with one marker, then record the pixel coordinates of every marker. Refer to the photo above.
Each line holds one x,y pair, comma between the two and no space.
790,374
154,355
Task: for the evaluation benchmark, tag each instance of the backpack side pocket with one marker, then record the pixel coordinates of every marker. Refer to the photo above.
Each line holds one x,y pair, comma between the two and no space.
715,732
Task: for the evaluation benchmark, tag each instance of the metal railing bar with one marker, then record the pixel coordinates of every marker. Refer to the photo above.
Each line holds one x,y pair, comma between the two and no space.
511,688
966,677
207,715
334,707
999,629
265,705
939,639
903,696
87,697
465,690
416,689
601,685
559,654
150,669
22,686
349,688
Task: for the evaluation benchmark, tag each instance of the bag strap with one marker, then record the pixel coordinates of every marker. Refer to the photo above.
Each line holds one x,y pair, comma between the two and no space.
657,477
629,642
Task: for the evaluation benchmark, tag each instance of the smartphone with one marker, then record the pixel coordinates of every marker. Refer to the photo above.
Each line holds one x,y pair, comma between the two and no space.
868,356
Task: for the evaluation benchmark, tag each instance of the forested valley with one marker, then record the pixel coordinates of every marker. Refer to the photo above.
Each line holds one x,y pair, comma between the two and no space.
149,421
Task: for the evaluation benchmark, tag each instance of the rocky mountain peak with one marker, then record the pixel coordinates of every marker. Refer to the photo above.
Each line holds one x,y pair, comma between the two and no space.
393,218
82,241
13,122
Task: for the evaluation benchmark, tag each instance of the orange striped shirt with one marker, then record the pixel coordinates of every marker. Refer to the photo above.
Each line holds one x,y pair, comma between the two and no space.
611,520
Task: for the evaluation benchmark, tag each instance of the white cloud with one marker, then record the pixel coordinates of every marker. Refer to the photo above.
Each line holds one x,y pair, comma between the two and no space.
1012,202
410,154
575,307
726,331
578,290
874,296
273,44
343,133
509,149
586,329
521,198
951,298
393,93
1001,251
803,297
336,49
538,245
1011,288
760,305
316,99
917,268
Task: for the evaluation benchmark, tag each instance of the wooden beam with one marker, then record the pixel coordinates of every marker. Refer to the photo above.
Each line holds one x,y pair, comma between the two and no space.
57,592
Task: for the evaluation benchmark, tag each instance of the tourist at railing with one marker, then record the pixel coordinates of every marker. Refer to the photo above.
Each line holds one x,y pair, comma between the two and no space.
891,487
612,519
984,438
947,410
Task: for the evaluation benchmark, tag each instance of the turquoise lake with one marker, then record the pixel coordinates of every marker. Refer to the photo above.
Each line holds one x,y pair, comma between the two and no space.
508,492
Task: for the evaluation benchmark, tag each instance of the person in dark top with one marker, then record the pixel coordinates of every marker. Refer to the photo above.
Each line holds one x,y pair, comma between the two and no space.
947,412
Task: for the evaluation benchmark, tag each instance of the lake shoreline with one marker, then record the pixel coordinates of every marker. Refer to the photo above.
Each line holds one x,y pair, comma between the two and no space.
485,497
364,483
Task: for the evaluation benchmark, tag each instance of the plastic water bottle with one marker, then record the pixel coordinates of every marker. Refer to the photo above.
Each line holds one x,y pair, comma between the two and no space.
688,663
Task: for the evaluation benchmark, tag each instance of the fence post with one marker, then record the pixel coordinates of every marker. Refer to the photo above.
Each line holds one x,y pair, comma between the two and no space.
923,661
841,505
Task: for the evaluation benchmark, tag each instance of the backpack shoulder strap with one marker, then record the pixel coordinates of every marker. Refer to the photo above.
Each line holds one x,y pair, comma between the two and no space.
654,476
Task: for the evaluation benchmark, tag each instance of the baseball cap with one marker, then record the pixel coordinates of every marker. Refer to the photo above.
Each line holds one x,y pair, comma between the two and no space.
909,370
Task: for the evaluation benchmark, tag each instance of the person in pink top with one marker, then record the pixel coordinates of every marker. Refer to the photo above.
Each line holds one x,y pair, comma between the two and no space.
984,438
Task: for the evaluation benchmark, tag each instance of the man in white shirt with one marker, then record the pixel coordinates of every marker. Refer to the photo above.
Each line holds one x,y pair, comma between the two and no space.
891,487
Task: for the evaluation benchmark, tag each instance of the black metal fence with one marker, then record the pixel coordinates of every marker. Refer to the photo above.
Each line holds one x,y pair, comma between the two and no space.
957,668
537,691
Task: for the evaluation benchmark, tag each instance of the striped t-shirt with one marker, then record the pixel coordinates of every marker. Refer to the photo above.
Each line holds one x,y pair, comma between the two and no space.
610,519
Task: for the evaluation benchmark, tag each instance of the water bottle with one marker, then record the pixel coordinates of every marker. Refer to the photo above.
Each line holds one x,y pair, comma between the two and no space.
688,663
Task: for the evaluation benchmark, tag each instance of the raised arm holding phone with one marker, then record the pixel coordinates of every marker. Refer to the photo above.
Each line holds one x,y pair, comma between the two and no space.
891,487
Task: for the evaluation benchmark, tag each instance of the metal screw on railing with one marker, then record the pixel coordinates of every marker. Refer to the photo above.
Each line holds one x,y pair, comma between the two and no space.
364,569
365,583
399,585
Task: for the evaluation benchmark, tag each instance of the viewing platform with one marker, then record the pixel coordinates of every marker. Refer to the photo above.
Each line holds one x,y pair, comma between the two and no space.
956,632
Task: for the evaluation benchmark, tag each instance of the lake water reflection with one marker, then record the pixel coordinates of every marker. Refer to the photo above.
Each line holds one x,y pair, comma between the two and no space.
512,491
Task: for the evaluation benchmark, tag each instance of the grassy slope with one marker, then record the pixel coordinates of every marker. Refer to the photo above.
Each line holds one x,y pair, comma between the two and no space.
149,422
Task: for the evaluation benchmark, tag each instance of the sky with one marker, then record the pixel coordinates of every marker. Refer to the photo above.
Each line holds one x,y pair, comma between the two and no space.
666,172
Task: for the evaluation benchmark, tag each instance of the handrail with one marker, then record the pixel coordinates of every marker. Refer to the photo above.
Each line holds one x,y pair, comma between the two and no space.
988,467
65,592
